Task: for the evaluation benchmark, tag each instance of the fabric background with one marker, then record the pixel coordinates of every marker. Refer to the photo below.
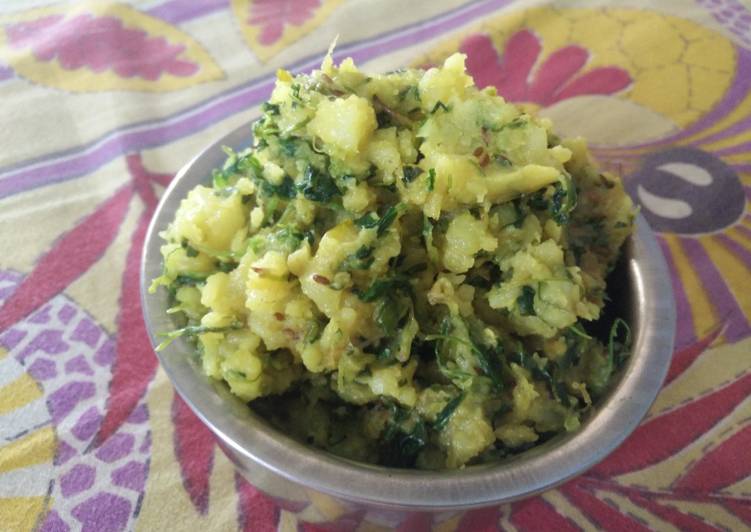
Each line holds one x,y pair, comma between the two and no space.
103,102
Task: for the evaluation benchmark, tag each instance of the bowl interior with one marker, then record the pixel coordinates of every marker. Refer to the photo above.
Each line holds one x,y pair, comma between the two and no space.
645,300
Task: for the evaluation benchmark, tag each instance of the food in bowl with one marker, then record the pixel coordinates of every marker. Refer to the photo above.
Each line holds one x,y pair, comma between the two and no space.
403,269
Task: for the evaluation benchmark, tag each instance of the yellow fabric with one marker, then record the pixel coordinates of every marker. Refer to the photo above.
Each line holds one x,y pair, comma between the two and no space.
104,101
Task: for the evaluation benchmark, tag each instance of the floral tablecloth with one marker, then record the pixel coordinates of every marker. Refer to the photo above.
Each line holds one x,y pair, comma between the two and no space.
102,102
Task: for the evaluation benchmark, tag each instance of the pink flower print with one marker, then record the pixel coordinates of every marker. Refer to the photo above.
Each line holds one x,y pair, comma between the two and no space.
100,44
273,15
556,79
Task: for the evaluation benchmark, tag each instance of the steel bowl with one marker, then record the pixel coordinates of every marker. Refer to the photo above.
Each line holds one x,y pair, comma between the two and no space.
292,471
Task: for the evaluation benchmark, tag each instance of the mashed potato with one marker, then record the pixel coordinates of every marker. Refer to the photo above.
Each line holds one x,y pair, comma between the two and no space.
402,269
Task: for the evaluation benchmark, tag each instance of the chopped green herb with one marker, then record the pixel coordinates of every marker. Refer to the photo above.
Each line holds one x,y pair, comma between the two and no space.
361,259
410,173
440,105
364,252
516,123
189,279
427,235
578,331
387,315
405,436
285,239
370,220
381,287
618,351
296,91
220,179
526,301
388,115
521,212
226,267
387,219
386,354
521,357
540,372
410,91
563,201
270,108
249,165
384,120
286,189
488,361
431,179
234,374
538,201
444,415
367,221
192,330
288,146
265,128
560,393
318,186
490,364
313,333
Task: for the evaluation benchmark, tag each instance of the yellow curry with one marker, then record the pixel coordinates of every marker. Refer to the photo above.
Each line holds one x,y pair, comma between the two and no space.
403,269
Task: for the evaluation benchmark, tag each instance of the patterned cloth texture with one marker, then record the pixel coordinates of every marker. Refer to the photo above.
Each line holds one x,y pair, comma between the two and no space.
102,102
